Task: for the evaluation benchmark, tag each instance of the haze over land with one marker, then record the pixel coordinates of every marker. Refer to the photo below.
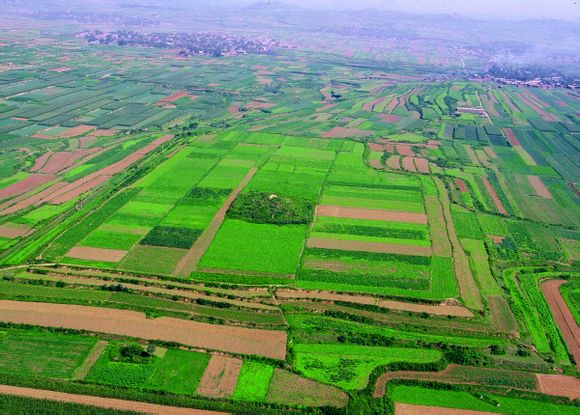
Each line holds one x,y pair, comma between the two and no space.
218,207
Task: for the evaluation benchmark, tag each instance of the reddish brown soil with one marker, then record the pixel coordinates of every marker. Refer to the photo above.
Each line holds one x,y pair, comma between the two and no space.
390,148
390,118
494,196
174,97
394,162
94,183
374,214
369,106
490,152
269,343
189,262
497,239
96,254
488,105
60,160
108,403
539,187
326,107
408,164
22,202
439,310
542,113
40,162
559,385
512,137
376,147
422,165
25,185
76,131
345,132
405,150
104,133
14,230
409,409
461,185
362,246
220,377
564,317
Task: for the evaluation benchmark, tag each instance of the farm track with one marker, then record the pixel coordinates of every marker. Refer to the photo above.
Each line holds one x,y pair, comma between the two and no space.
563,316
95,282
467,286
189,262
99,402
233,339
374,214
362,246
439,310
83,370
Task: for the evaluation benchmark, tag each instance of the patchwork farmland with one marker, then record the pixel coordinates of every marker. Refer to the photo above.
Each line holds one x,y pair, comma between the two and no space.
316,230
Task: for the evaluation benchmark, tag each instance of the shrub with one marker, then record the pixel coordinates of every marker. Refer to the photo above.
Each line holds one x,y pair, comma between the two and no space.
171,237
261,207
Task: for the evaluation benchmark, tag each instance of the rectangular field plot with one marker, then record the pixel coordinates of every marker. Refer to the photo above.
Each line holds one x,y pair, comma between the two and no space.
253,382
179,372
111,240
373,198
245,246
42,354
153,259
348,366
464,400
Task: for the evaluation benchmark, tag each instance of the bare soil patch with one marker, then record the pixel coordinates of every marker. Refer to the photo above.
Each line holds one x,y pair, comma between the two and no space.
559,385
394,162
512,137
76,131
422,165
494,196
391,118
346,132
408,164
220,377
405,150
40,161
376,164
374,214
108,403
409,409
96,254
461,185
539,187
379,247
25,185
14,230
490,152
269,343
23,202
563,316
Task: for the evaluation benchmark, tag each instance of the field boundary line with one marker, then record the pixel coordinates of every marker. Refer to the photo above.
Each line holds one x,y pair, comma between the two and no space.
189,262
83,370
100,402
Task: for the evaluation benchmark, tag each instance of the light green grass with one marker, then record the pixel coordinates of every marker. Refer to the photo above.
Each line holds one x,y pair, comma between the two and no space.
179,372
247,246
254,382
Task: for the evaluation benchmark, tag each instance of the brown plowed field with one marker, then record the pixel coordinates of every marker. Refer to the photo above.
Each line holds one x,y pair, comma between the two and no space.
361,246
76,131
439,310
394,162
94,183
346,132
461,185
14,230
539,187
40,162
220,377
390,118
189,262
376,164
108,403
563,317
96,254
494,196
490,152
559,385
26,185
269,343
374,214
408,409
408,164
405,150
512,137
422,165
23,202
62,160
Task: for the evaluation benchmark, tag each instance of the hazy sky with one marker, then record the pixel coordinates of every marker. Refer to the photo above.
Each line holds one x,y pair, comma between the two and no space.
565,9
